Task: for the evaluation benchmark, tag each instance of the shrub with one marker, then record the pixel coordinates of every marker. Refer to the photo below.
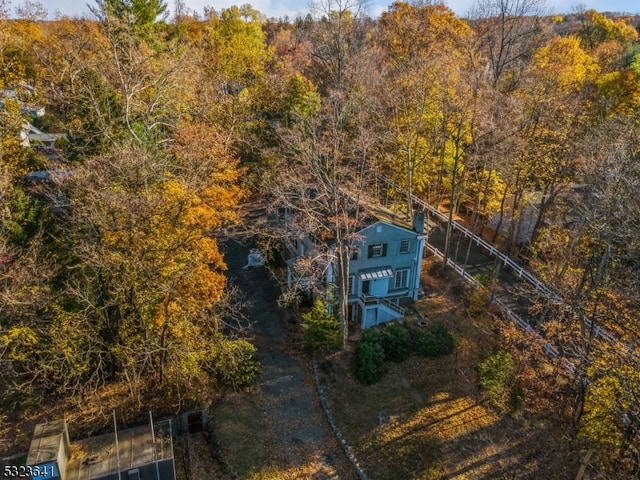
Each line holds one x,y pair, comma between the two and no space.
444,342
433,342
497,378
320,329
487,280
368,362
422,342
372,335
479,302
396,343
235,363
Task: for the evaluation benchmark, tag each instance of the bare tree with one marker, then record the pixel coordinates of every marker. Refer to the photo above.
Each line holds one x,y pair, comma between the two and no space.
509,31
336,38
321,184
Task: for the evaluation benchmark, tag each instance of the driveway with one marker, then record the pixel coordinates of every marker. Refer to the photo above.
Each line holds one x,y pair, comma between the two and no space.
299,441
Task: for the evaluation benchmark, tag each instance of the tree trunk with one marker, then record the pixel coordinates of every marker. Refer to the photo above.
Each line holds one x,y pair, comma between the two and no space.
501,217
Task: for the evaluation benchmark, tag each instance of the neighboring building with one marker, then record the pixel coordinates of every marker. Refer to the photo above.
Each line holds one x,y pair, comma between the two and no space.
141,453
384,271
49,450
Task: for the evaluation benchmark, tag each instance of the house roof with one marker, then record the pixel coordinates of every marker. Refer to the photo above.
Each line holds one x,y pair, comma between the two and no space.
375,273
387,224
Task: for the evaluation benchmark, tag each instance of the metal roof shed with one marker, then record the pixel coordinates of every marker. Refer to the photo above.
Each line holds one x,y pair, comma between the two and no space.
130,454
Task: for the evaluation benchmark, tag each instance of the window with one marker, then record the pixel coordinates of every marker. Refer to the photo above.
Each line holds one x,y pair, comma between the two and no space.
355,251
404,245
352,284
377,250
402,278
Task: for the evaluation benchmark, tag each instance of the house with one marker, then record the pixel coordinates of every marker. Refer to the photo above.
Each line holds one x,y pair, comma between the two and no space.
22,90
140,453
384,270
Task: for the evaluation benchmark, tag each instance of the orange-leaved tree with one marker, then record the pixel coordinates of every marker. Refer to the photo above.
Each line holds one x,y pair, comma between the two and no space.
145,269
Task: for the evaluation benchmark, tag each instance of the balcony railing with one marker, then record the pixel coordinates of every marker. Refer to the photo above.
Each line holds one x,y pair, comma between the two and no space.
371,300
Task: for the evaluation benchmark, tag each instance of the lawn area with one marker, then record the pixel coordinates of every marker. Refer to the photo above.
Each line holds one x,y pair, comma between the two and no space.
427,419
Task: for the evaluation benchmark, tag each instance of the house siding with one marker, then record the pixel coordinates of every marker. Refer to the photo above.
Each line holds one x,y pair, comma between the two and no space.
384,268
384,247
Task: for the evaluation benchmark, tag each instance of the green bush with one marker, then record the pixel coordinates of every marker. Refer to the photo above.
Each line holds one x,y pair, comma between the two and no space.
432,342
479,302
497,378
236,363
368,362
422,342
372,335
487,280
396,343
320,329
444,342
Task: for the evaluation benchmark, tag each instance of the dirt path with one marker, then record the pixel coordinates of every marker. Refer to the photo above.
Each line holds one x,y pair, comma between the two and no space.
281,426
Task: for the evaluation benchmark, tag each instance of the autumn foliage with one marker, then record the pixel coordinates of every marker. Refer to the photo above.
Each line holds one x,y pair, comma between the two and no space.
111,273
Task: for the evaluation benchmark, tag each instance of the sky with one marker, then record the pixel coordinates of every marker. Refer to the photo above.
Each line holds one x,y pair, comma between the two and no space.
279,8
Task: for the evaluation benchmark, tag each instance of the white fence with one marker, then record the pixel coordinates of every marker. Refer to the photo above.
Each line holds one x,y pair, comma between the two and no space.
540,286
548,348
493,251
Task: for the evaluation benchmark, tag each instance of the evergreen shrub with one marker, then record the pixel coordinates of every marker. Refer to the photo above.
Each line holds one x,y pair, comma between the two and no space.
368,362
396,343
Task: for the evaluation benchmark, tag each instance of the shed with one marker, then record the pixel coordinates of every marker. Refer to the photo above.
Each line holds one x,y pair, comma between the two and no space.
50,449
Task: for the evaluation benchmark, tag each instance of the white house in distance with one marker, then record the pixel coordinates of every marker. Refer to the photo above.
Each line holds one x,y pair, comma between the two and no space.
385,270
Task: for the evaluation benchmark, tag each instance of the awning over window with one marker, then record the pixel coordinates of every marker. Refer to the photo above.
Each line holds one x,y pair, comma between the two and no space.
375,273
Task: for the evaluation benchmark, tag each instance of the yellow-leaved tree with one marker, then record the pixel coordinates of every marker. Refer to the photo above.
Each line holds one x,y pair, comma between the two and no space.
145,272
429,53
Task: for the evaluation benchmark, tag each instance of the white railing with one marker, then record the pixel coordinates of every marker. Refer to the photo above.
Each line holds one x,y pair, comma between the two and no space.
493,251
369,299
550,293
548,348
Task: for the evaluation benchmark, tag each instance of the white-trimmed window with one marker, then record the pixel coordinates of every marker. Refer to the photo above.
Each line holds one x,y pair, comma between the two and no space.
377,250
401,279
352,284
404,245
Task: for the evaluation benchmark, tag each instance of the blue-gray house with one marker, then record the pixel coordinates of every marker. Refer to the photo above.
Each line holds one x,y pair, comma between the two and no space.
384,269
